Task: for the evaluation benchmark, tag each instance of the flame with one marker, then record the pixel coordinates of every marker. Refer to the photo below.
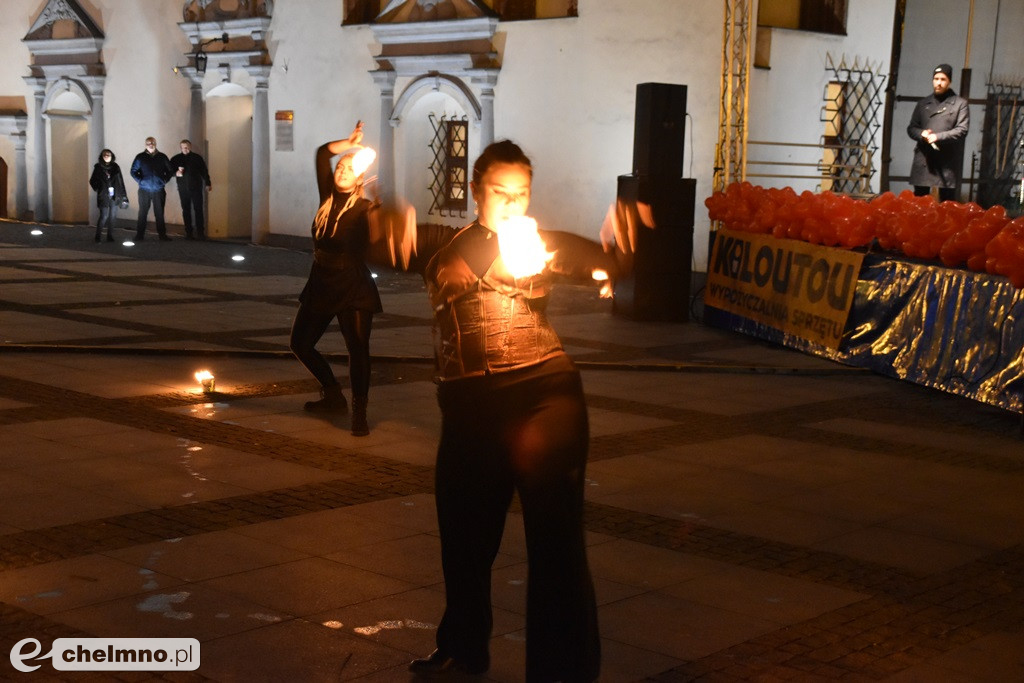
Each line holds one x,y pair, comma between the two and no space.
521,246
362,160
205,378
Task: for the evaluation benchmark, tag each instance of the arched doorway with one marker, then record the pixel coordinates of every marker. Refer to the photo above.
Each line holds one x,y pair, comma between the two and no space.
70,165
229,158
416,170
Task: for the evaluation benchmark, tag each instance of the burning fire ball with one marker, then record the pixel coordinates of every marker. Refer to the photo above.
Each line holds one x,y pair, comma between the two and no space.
521,246
206,379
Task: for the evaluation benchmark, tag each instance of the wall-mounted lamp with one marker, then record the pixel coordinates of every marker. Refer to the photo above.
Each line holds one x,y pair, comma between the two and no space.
201,58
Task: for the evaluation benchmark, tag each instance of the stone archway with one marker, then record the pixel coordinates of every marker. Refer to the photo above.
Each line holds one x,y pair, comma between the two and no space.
451,55
229,155
412,146
67,110
65,45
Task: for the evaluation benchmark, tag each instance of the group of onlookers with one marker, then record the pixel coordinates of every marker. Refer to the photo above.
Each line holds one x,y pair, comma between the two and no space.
152,170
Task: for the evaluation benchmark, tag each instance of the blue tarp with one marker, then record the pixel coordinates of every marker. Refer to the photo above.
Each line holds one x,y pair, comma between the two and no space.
945,328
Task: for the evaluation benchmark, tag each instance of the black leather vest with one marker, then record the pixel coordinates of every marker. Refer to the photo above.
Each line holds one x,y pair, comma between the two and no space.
491,326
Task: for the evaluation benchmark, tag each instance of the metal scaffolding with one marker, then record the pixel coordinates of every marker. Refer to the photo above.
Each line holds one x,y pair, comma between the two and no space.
737,47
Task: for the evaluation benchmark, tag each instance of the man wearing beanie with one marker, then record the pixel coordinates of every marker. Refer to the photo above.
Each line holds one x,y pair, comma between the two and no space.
939,126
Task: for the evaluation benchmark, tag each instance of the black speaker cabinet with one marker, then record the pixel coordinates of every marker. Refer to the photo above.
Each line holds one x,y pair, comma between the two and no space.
659,286
658,130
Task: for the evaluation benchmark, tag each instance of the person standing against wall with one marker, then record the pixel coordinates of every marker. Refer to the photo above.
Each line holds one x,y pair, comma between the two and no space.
151,170
108,183
193,184
939,126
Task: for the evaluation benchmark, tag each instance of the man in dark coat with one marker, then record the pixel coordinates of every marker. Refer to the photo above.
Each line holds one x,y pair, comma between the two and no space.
151,170
939,126
193,184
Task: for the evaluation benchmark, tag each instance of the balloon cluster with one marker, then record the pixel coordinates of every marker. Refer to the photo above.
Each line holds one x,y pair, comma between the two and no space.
919,227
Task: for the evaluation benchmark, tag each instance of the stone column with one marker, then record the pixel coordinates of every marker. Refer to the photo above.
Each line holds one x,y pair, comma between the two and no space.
41,189
485,80
96,136
20,174
486,114
197,115
260,155
386,180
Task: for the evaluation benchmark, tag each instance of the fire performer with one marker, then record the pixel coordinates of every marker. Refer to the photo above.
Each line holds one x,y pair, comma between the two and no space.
340,285
513,420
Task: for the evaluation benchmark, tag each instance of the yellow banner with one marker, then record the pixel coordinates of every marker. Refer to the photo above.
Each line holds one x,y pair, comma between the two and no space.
802,289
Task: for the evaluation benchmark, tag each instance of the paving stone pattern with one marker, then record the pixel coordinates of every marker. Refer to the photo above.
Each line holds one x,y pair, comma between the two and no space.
754,514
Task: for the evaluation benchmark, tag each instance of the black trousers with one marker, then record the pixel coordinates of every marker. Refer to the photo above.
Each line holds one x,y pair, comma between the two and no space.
945,193
307,329
157,200
192,210
531,437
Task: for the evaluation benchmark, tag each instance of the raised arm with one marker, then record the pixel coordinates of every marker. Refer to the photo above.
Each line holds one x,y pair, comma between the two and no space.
324,154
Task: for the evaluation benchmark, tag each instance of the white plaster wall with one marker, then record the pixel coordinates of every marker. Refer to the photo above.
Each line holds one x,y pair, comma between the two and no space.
328,86
567,94
786,99
14,59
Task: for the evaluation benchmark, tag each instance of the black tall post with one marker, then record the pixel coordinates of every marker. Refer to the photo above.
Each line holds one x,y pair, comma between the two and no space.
659,286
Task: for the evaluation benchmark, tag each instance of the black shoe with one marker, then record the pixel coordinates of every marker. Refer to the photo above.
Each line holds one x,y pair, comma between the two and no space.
165,238
440,664
139,238
189,236
97,238
110,238
332,400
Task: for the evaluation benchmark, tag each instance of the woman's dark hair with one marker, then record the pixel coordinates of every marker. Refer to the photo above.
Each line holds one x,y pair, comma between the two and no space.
501,152
104,151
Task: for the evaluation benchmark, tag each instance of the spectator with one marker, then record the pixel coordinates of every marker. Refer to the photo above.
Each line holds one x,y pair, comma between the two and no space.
108,183
193,184
151,170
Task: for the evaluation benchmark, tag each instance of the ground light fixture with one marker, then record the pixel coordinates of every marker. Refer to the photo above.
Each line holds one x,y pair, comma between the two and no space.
207,381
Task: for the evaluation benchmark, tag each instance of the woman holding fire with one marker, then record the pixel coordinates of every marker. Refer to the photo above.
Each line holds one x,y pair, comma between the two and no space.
513,419
340,286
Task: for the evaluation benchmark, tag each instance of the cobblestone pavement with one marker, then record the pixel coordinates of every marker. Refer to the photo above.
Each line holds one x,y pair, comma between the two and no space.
753,514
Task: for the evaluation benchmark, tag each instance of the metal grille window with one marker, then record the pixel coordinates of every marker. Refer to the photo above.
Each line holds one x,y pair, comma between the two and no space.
1001,178
852,103
450,166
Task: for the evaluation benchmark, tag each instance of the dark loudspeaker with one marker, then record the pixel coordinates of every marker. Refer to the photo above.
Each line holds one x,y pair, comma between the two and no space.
659,286
658,132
